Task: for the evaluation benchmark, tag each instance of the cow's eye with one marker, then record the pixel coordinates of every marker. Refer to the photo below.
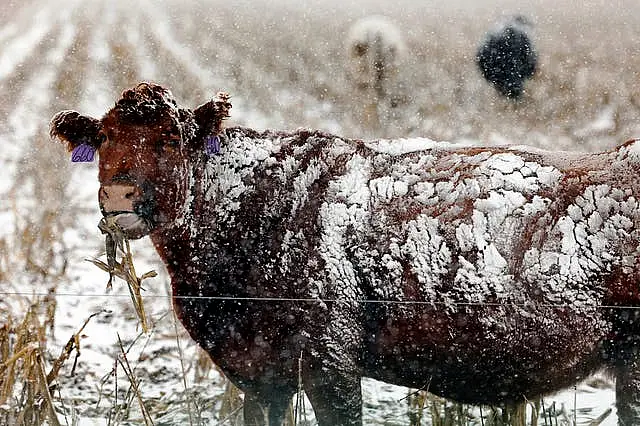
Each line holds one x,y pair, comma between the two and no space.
102,138
170,143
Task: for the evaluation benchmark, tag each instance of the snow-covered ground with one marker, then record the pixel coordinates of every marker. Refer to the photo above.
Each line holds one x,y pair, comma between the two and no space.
282,61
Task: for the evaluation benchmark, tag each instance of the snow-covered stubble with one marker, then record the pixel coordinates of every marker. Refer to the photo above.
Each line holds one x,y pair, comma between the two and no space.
487,275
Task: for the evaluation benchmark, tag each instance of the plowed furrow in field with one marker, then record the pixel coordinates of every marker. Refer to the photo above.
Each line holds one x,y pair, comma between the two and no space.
144,63
25,42
98,88
188,72
26,120
263,73
27,55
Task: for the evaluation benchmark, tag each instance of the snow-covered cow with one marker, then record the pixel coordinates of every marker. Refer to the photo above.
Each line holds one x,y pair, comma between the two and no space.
485,275
507,57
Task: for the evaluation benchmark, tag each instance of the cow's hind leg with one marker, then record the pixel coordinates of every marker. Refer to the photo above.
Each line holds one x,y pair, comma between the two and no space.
626,355
336,399
628,393
265,410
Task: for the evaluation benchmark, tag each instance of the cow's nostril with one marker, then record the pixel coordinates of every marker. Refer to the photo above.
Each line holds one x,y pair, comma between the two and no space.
118,197
103,194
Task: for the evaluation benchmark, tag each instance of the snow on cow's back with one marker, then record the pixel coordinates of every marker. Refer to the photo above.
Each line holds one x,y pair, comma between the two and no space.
445,199
471,223
403,146
497,218
629,150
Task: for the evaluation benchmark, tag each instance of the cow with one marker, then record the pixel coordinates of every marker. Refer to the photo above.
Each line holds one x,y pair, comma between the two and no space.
375,51
507,57
487,275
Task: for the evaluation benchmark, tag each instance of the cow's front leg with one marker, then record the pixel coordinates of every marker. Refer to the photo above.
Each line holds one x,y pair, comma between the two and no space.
332,381
265,410
336,398
332,369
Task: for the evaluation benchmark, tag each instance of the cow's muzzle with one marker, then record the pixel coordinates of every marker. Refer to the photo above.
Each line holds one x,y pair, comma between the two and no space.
129,224
118,204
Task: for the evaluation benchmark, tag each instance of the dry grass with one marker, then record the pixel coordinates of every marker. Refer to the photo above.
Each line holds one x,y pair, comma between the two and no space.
32,262
23,385
27,376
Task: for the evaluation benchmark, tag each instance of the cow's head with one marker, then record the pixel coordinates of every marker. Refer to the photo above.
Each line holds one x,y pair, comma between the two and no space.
145,145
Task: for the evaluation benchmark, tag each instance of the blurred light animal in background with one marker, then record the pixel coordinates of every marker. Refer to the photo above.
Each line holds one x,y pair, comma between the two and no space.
488,275
507,57
375,49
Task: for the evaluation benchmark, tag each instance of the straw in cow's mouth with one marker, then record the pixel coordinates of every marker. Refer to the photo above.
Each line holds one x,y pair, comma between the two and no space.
117,239
129,224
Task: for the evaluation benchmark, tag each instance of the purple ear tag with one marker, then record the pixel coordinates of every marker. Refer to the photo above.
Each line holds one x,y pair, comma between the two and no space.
83,153
213,145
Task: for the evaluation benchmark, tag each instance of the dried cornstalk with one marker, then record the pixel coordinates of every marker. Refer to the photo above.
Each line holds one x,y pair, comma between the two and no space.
124,269
22,373
124,363
73,342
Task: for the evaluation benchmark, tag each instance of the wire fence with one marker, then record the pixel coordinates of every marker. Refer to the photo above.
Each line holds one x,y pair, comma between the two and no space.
333,300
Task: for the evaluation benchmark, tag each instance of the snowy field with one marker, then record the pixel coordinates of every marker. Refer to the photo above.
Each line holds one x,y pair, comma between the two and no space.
282,61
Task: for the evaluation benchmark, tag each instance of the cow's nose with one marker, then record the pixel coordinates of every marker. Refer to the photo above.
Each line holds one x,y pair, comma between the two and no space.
118,198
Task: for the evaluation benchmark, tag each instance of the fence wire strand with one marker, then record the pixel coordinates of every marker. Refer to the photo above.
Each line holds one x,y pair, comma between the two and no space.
334,300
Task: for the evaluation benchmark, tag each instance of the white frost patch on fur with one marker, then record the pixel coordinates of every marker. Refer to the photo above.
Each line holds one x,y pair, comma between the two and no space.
382,188
500,191
290,240
227,174
427,252
587,234
302,182
505,163
184,209
630,151
510,171
461,226
352,187
499,206
345,211
404,146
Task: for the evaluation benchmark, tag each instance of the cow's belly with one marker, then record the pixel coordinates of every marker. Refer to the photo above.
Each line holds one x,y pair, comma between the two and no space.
244,341
469,358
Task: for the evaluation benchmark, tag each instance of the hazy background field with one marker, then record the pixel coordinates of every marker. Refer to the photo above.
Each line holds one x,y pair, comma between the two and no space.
283,63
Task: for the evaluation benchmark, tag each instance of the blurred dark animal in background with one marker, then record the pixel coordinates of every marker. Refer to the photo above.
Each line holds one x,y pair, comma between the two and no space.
487,275
507,57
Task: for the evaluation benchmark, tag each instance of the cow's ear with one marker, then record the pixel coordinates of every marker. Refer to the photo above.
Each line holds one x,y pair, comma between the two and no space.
74,130
209,116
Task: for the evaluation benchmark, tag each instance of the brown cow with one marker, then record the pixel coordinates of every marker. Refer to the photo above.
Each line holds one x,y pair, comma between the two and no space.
485,275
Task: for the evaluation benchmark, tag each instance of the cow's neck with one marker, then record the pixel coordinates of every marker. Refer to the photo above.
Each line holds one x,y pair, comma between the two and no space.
190,244
180,249
240,207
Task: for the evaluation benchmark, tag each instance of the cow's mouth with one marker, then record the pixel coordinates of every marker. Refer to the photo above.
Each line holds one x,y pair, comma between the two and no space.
126,224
